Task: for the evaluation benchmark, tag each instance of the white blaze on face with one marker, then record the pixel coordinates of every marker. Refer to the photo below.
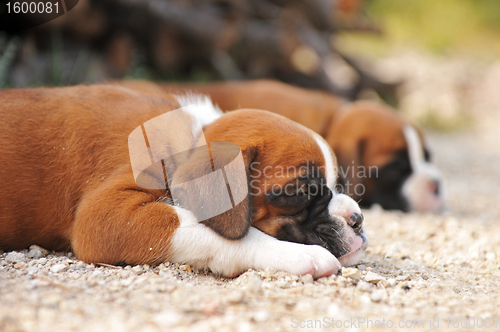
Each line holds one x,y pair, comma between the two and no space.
415,149
341,207
420,188
330,174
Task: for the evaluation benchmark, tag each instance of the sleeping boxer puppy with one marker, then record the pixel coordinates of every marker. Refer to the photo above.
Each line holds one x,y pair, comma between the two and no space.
69,181
383,159
387,158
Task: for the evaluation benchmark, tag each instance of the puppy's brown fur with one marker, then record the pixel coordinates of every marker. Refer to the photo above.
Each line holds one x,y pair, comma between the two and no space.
66,174
67,179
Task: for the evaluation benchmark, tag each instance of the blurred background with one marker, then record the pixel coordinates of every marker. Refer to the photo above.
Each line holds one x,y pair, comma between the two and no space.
436,61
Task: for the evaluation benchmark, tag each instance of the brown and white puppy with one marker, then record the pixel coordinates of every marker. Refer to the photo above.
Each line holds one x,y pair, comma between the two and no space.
387,158
68,183
382,158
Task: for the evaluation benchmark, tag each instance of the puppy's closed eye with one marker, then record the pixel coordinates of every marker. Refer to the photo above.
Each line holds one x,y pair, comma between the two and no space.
291,203
296,196
400,166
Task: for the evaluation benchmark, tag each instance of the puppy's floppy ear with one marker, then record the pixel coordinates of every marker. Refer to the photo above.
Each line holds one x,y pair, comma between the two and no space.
216,188
234,223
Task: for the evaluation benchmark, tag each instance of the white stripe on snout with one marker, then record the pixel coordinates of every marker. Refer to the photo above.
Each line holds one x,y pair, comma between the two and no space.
330,174
415,149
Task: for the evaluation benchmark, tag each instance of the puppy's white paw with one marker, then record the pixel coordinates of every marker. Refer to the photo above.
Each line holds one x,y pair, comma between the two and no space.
316,261
300,259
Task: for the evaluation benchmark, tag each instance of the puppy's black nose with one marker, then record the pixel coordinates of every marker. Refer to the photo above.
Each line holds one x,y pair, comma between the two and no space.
356,220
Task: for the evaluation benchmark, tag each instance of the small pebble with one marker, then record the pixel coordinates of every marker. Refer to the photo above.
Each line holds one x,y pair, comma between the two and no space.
254,282
404,285
377,295
186,268
15,257
350,272
307,279
261,316
403,278
44,252
373,277
384,283
363,286
270,273
20,265
58,268
80,265
138,270
341,281
35,253
281,284
392,282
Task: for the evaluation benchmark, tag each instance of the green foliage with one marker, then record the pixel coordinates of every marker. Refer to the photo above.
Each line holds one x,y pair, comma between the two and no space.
434,120
440,25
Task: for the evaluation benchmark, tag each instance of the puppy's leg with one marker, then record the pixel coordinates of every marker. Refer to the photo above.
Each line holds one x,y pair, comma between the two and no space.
120,222
199,246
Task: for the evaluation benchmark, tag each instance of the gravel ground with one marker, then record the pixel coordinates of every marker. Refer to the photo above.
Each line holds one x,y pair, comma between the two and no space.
421,272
